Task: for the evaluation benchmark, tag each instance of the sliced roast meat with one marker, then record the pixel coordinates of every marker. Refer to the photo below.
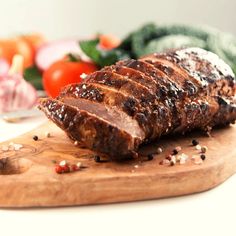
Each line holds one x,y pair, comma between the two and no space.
102,129
187,83
109,97
165,83
135,75
205,67
140,107
136,101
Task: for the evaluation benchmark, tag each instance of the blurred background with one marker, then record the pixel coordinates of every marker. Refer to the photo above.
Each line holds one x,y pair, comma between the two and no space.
47,44
66,18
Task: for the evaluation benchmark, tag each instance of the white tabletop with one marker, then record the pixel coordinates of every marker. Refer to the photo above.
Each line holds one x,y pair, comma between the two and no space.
208,213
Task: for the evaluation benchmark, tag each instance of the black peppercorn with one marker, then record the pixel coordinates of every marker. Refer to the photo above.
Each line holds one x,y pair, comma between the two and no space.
203,157
195,142
150,157
175,152
35,138
97,158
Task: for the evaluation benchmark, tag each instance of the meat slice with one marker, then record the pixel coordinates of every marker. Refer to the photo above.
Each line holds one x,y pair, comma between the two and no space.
134,75
189,84
100,128
142,108
107,96
168,90
136,101
166,85
122,84
205,75
202,67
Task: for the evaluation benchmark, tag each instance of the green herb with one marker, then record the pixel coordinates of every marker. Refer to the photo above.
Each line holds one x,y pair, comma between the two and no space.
33,76
100,56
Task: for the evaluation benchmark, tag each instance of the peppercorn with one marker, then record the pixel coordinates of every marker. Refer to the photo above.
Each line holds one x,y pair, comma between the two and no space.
203,149
97,158
65,169
198,147
175,152
58,169
150,157
63,163
35,137
74,168
195,142
203,157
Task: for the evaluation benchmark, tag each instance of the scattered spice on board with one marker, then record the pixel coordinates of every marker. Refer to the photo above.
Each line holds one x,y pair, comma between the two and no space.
204,149
65,167
203,157
176,157
11,147
175,152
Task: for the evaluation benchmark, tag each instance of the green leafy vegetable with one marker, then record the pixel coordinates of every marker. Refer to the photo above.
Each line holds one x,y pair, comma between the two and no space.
173,41
157,38
100,56
33,76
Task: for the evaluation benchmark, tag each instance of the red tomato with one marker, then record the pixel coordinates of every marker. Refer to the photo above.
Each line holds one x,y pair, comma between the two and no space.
62,73
108,41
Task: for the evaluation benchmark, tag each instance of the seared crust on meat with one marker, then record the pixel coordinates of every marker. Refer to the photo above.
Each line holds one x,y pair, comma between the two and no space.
97,133
135,101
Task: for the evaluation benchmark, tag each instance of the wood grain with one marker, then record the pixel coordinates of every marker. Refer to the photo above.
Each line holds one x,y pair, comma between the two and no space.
28,178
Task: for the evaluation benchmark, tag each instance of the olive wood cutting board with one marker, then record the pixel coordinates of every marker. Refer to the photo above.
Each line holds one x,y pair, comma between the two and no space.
28,178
